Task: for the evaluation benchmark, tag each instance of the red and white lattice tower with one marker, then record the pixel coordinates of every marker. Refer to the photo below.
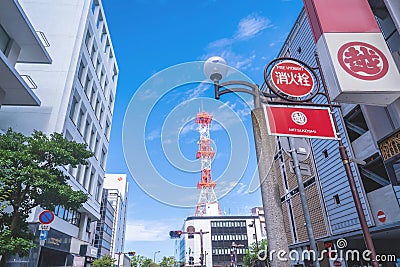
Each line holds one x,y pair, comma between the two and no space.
208,202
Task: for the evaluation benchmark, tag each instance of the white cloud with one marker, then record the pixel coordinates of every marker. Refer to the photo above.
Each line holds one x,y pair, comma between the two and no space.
189,128
153,135
250,26
247,28
220,43
242,189
148,230
198,90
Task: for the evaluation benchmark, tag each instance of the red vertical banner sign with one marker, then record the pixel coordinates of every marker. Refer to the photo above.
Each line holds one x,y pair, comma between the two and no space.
356,62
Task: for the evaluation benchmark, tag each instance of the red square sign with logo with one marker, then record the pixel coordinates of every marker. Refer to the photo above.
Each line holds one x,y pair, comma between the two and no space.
300,121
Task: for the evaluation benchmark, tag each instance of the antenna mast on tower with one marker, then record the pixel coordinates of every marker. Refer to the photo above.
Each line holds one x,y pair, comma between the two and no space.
208,202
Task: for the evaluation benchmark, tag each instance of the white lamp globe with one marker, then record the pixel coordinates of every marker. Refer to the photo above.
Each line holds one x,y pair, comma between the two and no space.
215,68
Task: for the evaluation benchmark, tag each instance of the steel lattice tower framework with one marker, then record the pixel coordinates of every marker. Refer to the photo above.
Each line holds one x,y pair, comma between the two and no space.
208,202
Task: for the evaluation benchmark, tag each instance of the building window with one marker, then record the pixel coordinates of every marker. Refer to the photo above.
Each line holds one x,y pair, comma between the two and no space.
98,68
78,172
92,138
90,188
101,113
99,20
4,40
96,147
105,244
79,124
107,46
86,131
93,53
336,199
93,98
84,170
98,191
111,102
97,108
73,217
107,229
86,88
102,79
373,173
115,73
88,222
103,34
87,39
355,123
81,71
107,130
86,177
106,88
73,110
94,5
103,158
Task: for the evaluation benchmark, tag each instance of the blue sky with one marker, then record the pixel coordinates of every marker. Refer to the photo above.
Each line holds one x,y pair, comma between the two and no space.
159,45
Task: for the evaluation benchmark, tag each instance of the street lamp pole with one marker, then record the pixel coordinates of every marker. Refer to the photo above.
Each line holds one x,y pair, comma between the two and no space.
304,204
201,248
154,258
119,257
215,68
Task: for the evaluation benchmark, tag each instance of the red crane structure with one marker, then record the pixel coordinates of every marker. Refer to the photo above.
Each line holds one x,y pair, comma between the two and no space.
208,202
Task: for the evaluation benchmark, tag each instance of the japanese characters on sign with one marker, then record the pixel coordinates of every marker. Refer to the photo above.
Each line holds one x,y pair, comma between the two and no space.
390,146
363,61
300,121
292,79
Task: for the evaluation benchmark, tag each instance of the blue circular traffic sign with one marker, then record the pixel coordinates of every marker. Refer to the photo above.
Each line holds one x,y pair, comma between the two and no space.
46,217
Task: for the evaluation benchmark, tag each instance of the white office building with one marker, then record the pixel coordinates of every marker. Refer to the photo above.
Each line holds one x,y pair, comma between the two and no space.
225,240
76,94
19,43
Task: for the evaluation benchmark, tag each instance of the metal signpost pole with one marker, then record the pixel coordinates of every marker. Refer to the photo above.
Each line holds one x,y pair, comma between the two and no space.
201,248
119,258
304,204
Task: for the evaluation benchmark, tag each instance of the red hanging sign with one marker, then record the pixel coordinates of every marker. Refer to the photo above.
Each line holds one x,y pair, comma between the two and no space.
291,78
299,121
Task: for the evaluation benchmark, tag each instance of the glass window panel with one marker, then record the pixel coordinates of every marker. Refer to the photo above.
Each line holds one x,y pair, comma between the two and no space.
4,39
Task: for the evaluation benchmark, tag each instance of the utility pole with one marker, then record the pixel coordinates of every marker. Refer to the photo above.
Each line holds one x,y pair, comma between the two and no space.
304,204
265,147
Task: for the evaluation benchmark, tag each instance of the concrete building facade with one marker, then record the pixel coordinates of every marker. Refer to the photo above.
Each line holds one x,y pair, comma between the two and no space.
371,134
76,95
223,232
104,227
19,43
116,186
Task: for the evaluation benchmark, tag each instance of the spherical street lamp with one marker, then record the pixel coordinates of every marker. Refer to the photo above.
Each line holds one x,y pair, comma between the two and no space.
215,68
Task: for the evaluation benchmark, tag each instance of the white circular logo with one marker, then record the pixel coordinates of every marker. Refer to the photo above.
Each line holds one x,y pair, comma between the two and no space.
299,118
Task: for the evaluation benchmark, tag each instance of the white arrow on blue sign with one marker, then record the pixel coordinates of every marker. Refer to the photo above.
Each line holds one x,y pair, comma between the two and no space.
43,234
